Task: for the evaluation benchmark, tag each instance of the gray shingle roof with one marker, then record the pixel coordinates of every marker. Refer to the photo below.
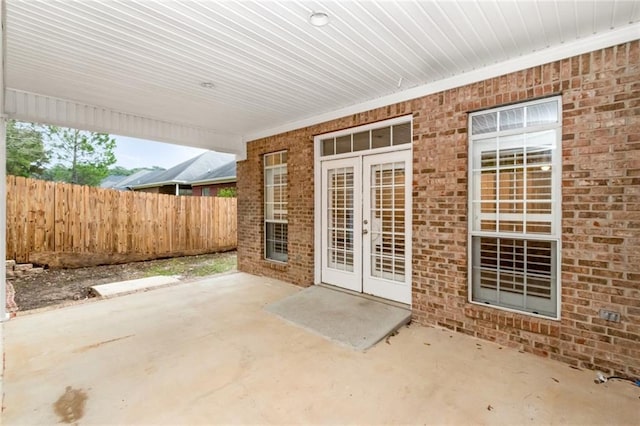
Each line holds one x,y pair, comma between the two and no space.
137,177
184,172
123,182
111,181
224,172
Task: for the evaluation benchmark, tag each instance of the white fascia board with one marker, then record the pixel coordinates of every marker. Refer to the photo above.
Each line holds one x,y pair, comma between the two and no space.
589,44
214,181
26,106
154,184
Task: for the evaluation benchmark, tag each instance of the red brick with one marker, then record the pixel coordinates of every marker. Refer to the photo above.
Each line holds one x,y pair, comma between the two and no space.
600,208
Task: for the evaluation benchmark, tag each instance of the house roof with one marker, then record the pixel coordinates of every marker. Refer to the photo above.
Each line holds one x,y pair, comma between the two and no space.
217,74
123,182
224,173
138,177
184,172
111,181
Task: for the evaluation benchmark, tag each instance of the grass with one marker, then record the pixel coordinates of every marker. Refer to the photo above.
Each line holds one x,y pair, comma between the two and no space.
217,267
185,267
172,268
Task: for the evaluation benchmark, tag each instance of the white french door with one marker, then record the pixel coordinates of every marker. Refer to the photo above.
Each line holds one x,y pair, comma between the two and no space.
342,229
366,204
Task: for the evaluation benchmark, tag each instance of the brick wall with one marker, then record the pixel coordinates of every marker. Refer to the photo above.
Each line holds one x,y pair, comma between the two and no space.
601,208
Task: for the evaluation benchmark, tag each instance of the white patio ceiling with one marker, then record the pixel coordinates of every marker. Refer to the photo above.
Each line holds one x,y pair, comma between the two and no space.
135,67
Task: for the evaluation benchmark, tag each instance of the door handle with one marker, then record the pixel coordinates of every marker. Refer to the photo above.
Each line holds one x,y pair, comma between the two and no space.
365,232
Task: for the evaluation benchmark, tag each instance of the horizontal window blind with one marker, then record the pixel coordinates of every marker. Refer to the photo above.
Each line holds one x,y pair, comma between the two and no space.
275,206
514,202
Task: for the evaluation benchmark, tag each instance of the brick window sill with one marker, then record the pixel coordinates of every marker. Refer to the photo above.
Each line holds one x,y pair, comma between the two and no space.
504,319
274,265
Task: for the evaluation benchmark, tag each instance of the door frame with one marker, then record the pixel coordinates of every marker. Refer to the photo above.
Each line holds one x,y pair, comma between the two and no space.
317,186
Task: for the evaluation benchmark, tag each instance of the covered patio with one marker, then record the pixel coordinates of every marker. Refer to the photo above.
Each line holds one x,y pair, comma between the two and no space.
208,352
263,81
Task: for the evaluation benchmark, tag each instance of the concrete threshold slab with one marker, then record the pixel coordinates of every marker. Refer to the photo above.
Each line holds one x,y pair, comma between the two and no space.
347,319
130,286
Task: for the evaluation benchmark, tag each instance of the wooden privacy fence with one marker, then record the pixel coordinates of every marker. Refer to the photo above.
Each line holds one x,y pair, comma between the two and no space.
64,225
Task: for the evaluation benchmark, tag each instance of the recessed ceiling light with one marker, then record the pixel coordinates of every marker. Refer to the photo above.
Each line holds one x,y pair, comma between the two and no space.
207,85
318,19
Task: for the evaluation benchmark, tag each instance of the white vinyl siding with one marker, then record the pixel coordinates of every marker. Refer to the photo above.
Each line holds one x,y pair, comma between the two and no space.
514,200
275,206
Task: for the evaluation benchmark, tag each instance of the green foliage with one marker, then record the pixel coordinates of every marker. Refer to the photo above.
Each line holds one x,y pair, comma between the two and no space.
57,173
227,192
121,171
216,267
26,154
83,157
187,267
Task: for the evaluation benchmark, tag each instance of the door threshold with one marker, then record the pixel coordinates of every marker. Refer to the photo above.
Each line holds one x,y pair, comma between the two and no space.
366,296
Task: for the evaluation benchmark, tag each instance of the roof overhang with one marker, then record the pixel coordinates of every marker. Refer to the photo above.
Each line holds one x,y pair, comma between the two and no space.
229,179
26,106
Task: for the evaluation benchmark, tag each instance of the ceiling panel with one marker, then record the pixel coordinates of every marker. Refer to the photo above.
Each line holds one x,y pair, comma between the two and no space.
268,65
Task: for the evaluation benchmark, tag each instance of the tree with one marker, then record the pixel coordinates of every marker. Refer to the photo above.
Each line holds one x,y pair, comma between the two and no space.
83,157
26,154
121,171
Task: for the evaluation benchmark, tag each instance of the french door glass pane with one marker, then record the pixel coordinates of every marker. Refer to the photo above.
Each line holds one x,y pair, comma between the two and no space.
340,213
387,218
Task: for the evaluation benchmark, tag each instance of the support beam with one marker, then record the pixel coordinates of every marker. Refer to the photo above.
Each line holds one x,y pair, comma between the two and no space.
3,169
3,218
26,106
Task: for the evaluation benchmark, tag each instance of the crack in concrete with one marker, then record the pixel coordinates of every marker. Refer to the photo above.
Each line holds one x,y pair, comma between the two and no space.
96,345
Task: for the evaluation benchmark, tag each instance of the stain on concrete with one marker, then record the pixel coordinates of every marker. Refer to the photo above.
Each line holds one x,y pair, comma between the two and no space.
96,345
70,406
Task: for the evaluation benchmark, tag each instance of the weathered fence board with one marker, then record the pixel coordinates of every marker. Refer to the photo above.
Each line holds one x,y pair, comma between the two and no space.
65,225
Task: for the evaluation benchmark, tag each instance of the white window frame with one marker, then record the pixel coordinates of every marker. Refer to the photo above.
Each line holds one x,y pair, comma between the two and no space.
556,202
266,168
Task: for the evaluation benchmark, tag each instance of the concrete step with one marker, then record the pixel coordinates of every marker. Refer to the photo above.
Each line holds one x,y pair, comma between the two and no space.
131,286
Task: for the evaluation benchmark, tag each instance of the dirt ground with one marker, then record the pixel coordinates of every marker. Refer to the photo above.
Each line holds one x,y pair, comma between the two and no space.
57,286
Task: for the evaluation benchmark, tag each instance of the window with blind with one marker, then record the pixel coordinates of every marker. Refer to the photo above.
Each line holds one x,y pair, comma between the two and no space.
275,206
514,177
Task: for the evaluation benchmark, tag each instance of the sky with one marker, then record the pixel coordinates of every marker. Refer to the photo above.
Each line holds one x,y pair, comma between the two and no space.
132,153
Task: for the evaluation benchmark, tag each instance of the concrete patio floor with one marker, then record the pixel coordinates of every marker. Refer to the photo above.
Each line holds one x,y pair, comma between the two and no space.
208,353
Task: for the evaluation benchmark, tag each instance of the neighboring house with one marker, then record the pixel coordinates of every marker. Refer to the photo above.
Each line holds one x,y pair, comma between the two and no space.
211,182
122,183
137,178
177,180
501,209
